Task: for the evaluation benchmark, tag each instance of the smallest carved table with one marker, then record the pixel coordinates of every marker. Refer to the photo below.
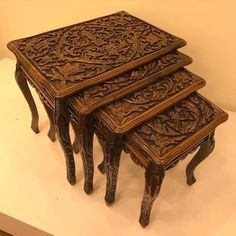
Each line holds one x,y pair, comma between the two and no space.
121,116
161,142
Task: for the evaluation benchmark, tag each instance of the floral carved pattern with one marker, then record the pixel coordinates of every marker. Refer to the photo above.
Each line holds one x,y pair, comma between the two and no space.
73,54
169,129
93,95
130,107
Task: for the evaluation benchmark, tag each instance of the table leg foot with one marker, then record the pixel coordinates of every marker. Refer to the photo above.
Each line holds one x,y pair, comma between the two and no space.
206,148
154,176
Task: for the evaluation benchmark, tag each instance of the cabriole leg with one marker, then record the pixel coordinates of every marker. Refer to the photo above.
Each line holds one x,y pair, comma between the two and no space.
22,83
112,161
206,148
52,129
62,124
86,133
154,176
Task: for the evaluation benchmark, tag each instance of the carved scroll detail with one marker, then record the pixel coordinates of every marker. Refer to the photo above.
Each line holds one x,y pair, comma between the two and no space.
173,126
126,109
154,176
96,93
79,52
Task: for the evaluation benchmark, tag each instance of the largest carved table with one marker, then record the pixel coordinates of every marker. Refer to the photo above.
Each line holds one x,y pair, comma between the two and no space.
62,62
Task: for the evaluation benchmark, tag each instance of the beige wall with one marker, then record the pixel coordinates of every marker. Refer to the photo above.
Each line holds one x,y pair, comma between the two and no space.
207,25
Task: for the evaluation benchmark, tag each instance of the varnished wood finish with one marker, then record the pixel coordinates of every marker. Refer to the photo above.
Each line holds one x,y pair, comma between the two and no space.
89,100
76,144
82,67
60,63
62,116
154,176
52,129
138,107
206,148
22,83
85,139
161,142
112,160
177,128
69,59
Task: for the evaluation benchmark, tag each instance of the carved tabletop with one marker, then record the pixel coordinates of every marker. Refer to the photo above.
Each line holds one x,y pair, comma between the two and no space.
158,144
100,60
167,135
90,99
125,114
69,59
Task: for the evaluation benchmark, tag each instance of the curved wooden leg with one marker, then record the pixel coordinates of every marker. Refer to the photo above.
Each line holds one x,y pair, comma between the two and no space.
52,129
206,148
76,143
86,133
112,160
154,176
62,125
101,166
102,142
22,83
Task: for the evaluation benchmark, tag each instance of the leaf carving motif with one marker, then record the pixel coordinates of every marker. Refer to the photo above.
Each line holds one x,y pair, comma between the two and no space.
129,107
168,129
78,52
99,91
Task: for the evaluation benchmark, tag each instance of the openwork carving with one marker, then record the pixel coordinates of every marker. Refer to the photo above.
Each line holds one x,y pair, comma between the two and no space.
76,53
130,107
175,125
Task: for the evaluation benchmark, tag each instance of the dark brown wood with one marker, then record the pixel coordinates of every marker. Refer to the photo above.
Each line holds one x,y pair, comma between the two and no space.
85,139
161,142
22,82
69,59
79,68
177,128
52,128
125,114
206,148
89,100
76,144
62,62
112,160
62,116
154,176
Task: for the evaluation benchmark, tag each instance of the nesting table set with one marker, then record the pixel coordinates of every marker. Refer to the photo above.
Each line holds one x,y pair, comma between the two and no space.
124,80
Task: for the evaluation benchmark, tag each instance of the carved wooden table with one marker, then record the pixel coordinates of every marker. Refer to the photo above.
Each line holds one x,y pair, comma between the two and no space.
125,114
159,143
62,62
85,103
153,111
